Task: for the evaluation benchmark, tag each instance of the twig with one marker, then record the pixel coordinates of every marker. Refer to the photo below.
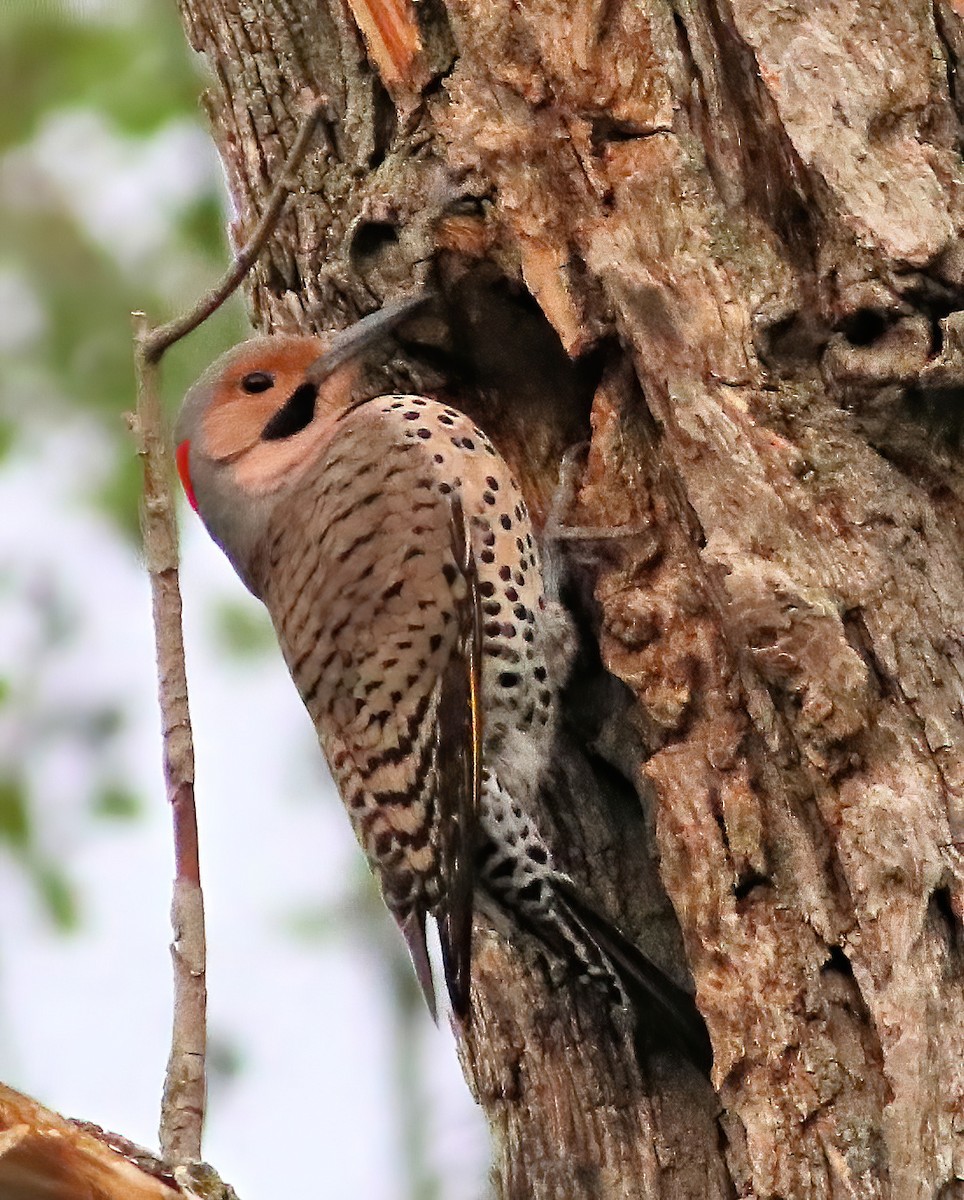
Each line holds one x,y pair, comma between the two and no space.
164,336
182,1105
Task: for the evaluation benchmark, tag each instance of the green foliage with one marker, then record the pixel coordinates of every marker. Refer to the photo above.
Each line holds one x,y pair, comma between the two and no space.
128,69
14,813
92,99
116,802
243,629
118,495
131,66
225,1058
58,895
17,830
6,438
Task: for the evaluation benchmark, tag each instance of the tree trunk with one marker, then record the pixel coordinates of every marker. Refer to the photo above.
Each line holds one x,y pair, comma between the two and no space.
740,219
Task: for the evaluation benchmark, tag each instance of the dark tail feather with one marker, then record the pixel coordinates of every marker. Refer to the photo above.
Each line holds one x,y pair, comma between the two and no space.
413,929
663,1008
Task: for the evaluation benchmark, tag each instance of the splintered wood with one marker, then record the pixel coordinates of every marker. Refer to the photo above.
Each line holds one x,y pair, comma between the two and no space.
391,35
45,1157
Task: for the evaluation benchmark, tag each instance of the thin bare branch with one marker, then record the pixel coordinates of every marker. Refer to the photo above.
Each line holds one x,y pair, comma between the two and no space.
158,340
182,1108
183,1102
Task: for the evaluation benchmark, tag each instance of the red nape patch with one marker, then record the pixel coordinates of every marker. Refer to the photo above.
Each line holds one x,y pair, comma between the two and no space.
183,469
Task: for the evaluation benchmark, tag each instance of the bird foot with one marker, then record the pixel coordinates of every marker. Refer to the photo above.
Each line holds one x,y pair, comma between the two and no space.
563,500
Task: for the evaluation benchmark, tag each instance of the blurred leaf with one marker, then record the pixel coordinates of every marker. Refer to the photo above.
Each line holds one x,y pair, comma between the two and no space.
119,495
122,72
136,70
316,923
243,629
58,895
203,224
117,803
7,434
98,725
128,63
14,813
225,1059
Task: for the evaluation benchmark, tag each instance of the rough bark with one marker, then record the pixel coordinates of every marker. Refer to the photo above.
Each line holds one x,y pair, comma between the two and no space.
741,219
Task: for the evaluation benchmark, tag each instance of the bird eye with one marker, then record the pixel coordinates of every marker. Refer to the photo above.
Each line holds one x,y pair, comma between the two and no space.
257,381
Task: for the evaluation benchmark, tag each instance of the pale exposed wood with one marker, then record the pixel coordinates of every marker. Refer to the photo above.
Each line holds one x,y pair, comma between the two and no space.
394,44
751,212
44,1157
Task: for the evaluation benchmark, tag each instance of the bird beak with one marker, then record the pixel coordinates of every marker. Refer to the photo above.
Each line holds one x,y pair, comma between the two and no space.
352,341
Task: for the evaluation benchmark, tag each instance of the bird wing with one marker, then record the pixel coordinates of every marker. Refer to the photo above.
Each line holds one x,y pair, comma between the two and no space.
376,603
459,767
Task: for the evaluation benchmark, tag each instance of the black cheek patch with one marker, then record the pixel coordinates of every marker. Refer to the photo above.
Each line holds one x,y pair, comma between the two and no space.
295,414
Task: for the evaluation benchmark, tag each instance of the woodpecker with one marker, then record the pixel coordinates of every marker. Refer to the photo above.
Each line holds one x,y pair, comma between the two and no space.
396,556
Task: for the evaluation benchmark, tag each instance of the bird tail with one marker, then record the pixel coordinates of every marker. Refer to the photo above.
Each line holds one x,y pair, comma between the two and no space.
663,1010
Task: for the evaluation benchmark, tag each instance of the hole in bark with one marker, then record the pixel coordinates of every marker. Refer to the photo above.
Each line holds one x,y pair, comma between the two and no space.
940,910
847,992
791,341
371,240
865,326
607,129
749,883
839,962
469,206
385,123
937,336
770,345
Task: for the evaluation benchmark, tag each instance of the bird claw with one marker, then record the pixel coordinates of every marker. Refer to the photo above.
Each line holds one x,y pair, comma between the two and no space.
557,532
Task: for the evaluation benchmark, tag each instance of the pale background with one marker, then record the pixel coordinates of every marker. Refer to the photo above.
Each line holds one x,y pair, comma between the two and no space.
322,1052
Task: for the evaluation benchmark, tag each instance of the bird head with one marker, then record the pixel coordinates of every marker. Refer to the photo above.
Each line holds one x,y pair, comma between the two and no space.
259,417
247,429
